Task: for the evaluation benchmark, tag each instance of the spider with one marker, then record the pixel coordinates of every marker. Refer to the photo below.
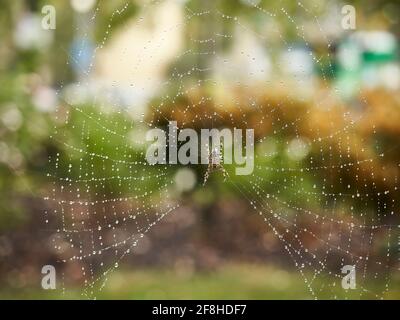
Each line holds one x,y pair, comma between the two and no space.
215,160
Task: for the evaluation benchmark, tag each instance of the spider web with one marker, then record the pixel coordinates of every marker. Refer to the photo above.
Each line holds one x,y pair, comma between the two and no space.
96,212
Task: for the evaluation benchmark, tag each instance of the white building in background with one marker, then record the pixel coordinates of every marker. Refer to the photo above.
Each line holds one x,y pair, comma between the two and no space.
130,68
248,61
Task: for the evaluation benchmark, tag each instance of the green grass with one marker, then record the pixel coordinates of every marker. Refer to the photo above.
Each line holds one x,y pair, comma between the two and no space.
230,282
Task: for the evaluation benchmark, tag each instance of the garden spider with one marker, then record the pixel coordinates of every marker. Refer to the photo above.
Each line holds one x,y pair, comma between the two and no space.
215,160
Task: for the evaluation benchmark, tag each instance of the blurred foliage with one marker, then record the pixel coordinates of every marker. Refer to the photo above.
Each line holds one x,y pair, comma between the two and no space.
26,145
29,137
368,137
231,282
24,70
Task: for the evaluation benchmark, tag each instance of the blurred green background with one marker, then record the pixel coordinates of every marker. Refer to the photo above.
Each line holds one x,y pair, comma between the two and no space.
325,106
